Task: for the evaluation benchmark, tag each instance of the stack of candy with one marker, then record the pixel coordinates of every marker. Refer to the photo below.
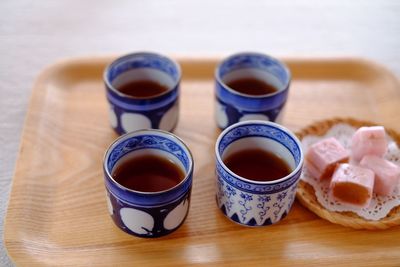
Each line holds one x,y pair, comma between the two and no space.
368,172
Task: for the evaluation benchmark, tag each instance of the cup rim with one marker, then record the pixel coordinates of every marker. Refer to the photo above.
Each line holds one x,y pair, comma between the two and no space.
269,123
138,133
231,90
134,54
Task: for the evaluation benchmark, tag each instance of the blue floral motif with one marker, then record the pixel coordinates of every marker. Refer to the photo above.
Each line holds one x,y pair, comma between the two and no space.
246,197
131,144
246,208
262,205
229,192
172,146
150,141
266,207
264,198
279,206
220,191
281,196
284,199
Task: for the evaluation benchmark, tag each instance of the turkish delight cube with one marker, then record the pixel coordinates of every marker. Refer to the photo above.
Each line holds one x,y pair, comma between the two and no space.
352,185
387,174
323,156
368,141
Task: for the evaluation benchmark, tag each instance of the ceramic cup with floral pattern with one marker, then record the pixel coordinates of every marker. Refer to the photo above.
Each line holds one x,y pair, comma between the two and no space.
257,203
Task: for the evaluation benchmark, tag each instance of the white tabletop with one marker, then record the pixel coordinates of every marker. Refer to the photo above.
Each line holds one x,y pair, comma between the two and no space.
34,34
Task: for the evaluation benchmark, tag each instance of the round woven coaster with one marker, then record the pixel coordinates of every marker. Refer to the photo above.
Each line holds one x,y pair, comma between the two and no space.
306,194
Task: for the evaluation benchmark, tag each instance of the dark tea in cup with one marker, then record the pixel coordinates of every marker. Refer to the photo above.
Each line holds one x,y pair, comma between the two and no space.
258,165
148,173
252,86
142,89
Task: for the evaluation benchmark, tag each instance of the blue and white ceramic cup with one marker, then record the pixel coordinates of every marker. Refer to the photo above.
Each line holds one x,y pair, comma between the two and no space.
255,203
128,113
148,214
233,106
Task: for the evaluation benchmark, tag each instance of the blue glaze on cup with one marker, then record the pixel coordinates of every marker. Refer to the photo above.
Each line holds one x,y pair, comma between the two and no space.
148,214
128,113
254,203
233,106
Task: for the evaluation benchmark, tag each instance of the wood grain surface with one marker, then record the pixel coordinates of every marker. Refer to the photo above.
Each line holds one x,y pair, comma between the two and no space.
57,215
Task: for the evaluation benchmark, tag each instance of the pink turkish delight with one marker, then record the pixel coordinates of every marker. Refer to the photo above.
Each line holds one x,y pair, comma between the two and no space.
352,184
387,174
323,156
368,141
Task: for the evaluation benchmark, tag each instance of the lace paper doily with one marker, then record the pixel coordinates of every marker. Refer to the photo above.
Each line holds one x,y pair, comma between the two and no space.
380,206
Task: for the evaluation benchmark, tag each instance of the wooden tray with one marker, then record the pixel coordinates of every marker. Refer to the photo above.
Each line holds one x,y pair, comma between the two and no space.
57,213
